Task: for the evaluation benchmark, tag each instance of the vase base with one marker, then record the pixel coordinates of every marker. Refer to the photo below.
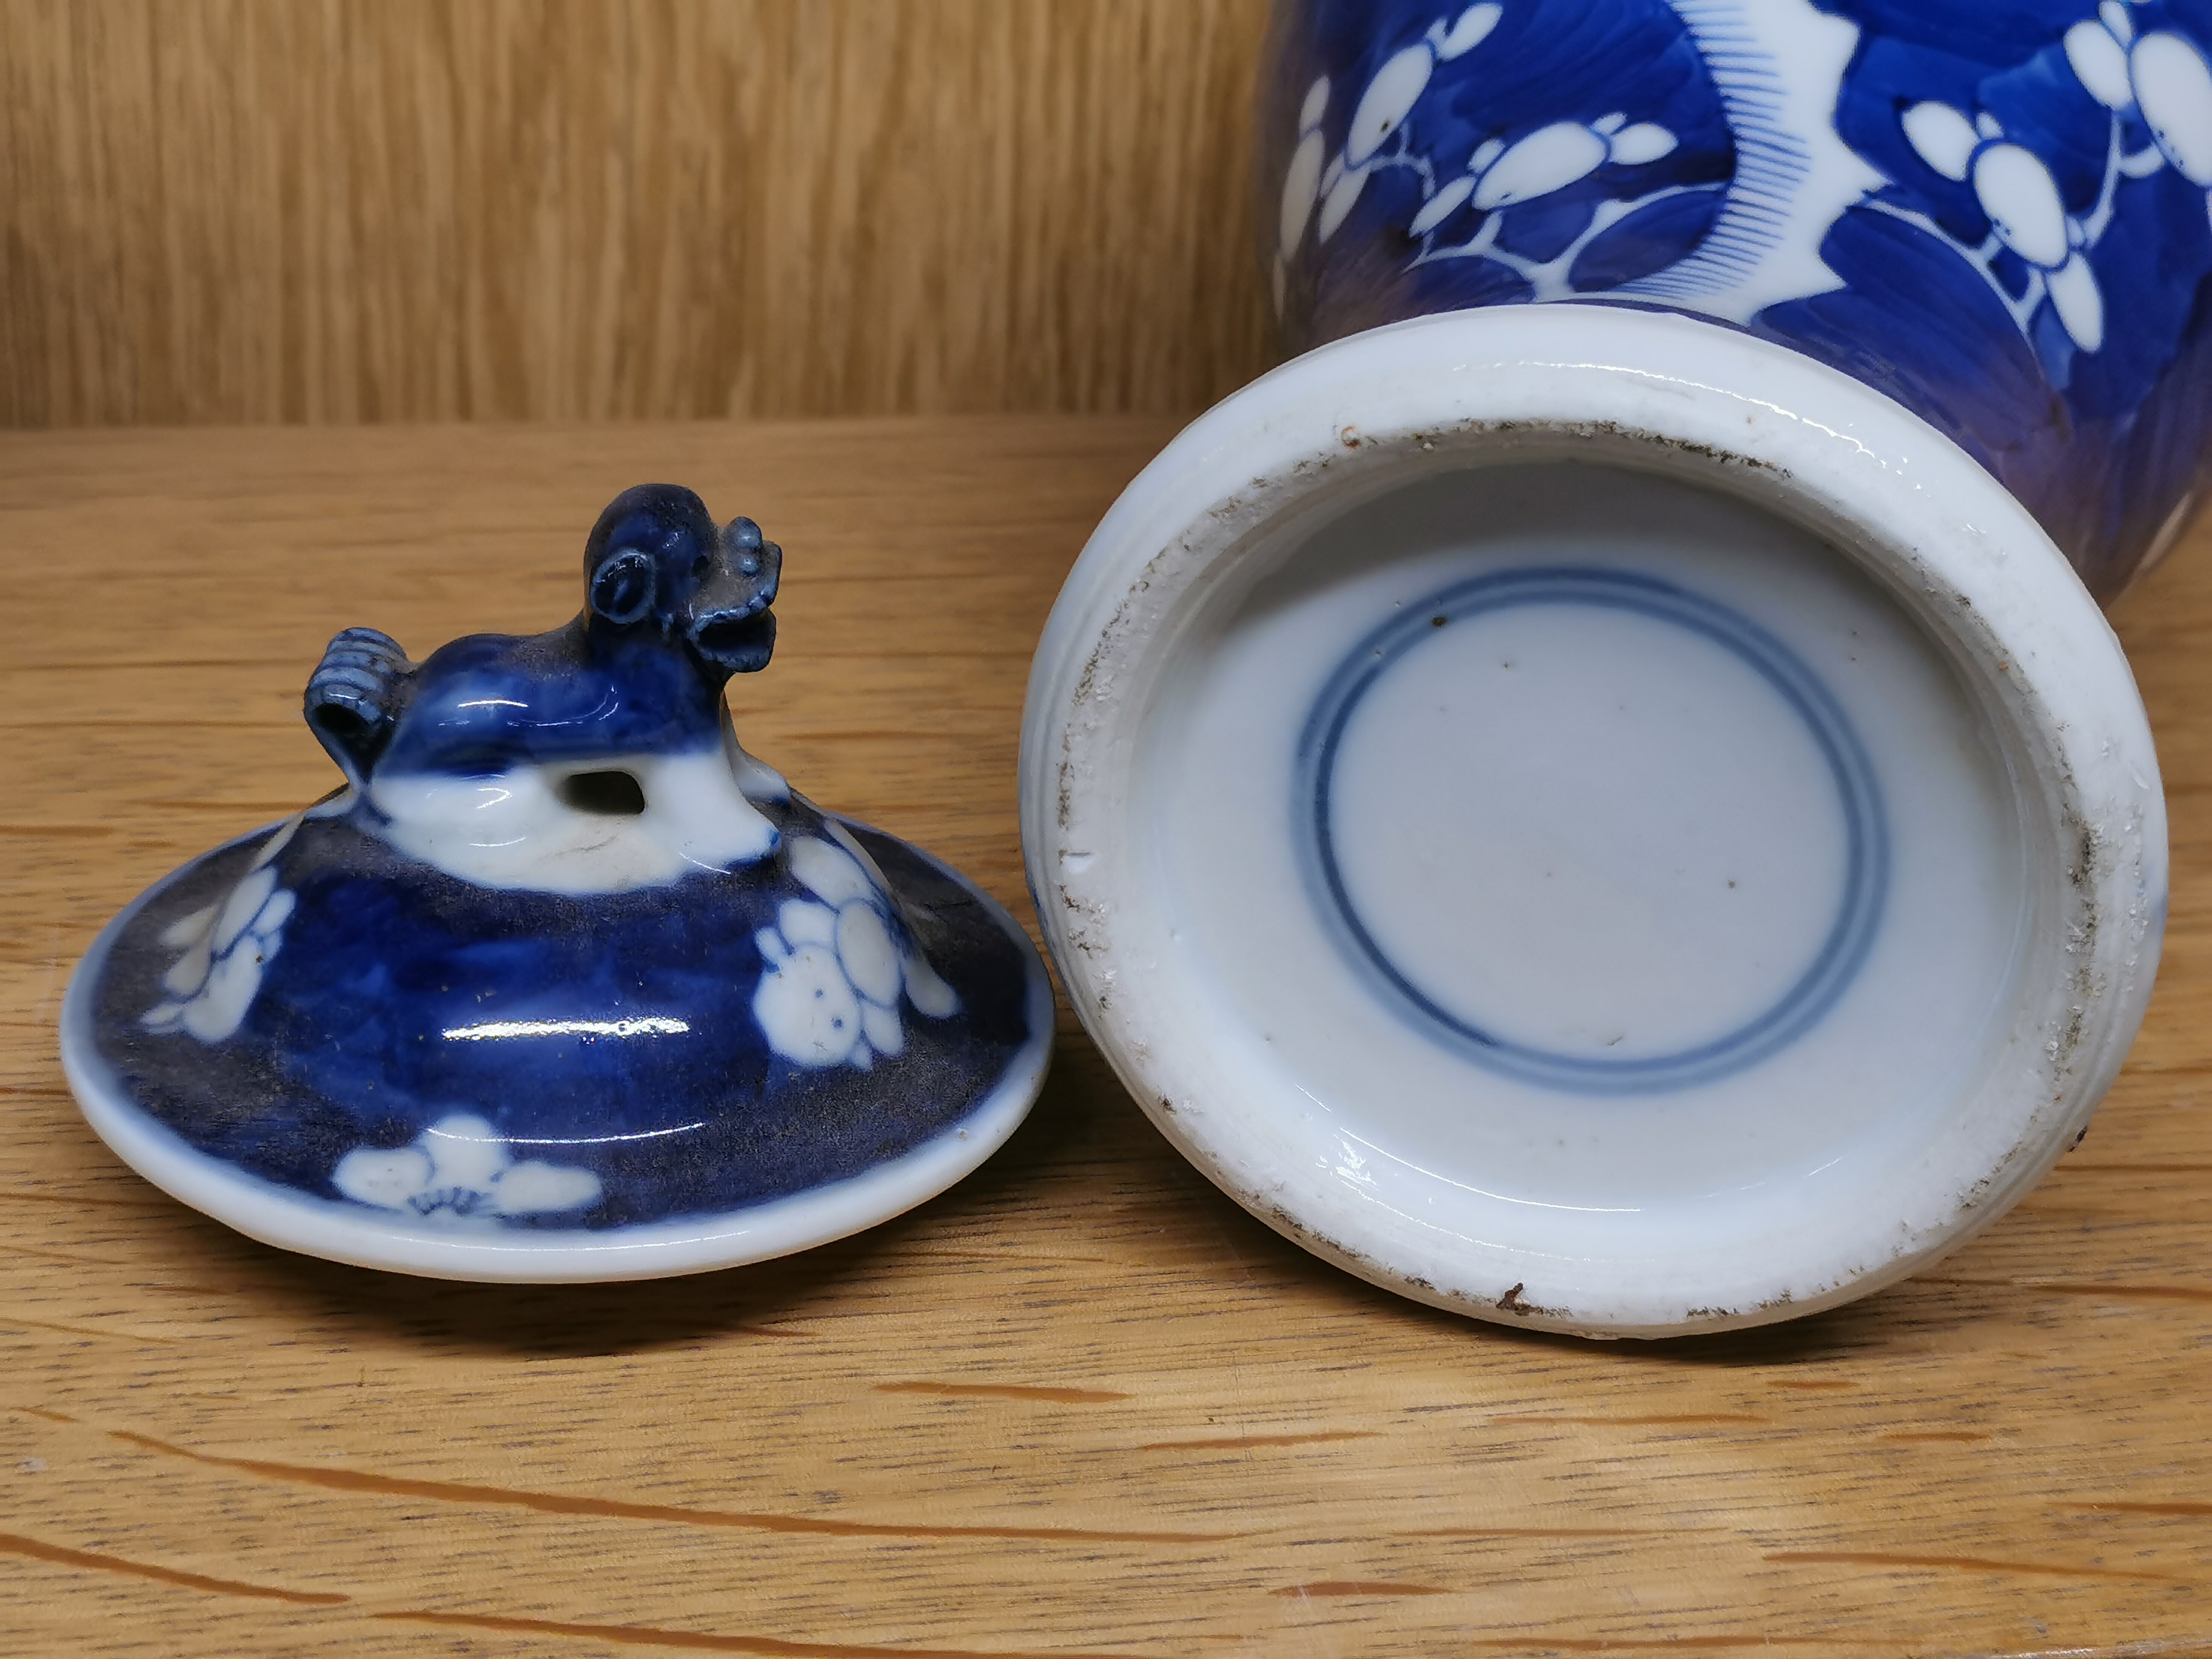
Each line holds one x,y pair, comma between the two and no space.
1592,835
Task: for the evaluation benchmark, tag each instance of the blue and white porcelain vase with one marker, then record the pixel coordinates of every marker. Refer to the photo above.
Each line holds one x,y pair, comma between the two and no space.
1601,795
562,984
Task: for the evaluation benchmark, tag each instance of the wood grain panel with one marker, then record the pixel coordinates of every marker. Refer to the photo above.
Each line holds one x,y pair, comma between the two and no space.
336,211
1082,1404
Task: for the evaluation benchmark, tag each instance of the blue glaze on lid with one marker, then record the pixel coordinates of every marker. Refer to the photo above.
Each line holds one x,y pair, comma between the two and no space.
485,702
613,1037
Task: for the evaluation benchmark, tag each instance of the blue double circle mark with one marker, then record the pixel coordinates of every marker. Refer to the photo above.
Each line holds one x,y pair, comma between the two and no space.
1858,800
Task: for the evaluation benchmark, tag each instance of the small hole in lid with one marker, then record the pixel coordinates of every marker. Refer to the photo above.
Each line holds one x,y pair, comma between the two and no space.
612,794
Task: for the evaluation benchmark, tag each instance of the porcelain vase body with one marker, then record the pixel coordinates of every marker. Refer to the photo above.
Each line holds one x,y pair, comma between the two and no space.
1996,215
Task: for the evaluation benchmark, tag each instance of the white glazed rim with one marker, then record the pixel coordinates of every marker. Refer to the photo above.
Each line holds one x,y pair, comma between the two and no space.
1710,404
338,1232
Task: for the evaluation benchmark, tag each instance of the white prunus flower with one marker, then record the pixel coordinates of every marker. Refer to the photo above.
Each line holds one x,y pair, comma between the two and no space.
223,948
463,1166
833,969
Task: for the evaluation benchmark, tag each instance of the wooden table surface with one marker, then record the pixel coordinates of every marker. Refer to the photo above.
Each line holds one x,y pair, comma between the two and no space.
1082,1404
